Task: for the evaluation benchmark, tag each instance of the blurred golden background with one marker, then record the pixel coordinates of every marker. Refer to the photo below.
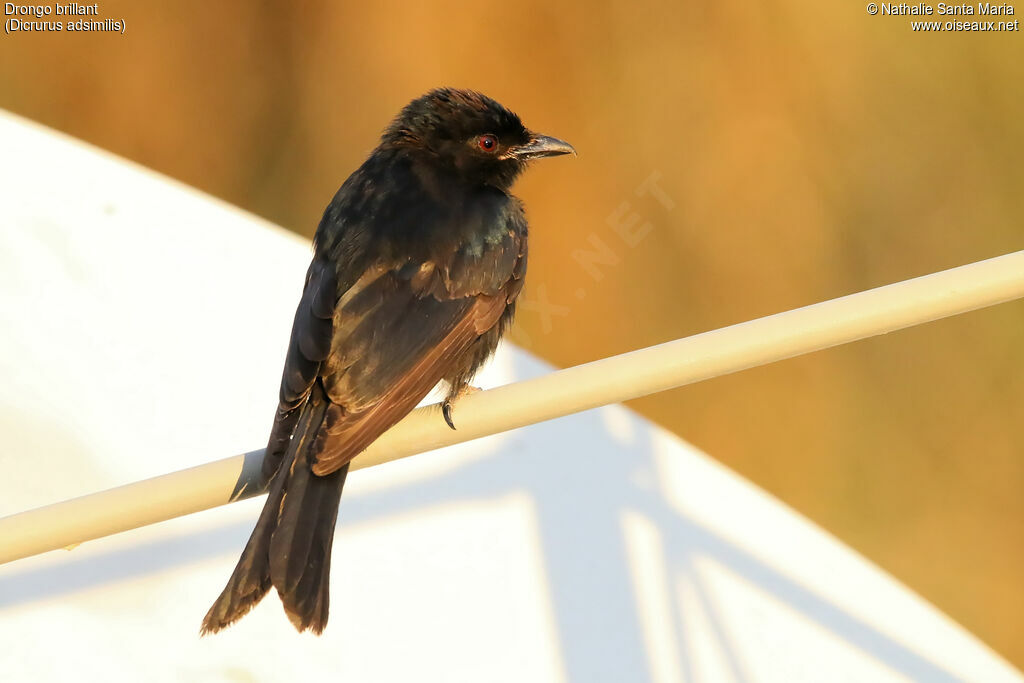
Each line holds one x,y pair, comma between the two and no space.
736,160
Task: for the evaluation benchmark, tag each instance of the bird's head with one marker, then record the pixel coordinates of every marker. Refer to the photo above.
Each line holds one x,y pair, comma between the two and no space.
471,135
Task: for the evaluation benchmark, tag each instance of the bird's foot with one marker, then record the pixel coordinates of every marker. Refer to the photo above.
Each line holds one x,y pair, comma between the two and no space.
446,405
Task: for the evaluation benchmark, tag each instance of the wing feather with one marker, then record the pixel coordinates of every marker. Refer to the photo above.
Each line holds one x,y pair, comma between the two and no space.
349,433
379,345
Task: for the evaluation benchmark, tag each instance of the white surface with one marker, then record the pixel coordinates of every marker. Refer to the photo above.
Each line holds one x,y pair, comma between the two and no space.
143,330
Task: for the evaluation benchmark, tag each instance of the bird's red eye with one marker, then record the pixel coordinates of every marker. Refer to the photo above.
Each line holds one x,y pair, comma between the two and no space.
487,143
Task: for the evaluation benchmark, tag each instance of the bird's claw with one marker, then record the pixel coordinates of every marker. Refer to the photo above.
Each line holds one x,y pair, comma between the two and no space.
446,409
446,405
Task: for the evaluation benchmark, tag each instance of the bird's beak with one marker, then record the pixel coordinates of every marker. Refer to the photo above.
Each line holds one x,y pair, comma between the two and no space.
542,146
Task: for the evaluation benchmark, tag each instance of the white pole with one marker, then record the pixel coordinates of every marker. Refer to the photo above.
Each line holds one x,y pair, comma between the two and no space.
610,380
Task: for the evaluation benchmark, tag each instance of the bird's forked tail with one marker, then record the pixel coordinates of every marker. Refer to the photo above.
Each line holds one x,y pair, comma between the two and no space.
290,548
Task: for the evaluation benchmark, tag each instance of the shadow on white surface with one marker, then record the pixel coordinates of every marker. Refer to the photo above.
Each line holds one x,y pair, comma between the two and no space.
582,488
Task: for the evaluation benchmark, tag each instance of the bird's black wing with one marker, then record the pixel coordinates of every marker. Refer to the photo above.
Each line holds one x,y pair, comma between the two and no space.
310,343
401,328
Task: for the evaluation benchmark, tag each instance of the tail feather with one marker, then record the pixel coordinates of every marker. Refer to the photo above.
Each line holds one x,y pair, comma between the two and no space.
290,548
300,550
299,524
251,579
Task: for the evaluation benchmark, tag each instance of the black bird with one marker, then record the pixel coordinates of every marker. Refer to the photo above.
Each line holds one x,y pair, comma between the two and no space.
417,263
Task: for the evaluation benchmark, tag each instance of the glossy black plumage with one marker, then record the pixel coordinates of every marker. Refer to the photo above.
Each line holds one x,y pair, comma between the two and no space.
417,264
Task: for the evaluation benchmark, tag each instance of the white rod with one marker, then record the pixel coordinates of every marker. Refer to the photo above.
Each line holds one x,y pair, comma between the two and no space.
610,380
